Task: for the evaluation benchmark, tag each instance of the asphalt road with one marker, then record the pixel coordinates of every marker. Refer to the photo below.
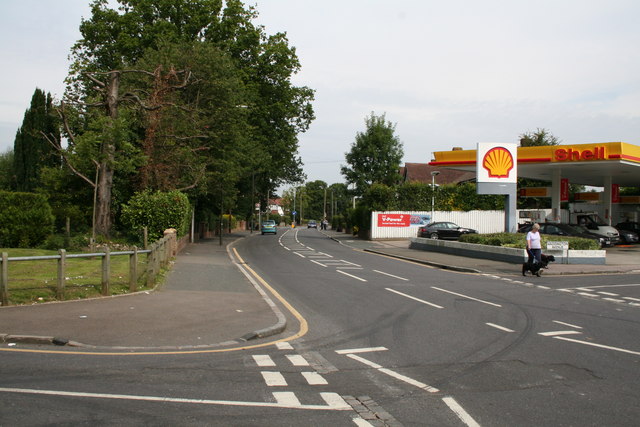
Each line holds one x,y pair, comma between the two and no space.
508,350
378,342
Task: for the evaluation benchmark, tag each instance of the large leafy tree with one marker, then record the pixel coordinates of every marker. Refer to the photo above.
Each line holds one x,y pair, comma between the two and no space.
31,149
141,35
375,155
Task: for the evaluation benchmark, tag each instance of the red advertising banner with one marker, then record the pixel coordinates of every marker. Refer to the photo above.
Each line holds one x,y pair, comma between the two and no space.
615,193
394,220
564,190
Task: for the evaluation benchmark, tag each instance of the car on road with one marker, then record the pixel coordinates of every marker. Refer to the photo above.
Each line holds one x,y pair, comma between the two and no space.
557,229
269,226
628,227
444,230
312,224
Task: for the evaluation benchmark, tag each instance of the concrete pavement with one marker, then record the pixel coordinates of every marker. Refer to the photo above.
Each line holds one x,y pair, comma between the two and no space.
208,302
205,302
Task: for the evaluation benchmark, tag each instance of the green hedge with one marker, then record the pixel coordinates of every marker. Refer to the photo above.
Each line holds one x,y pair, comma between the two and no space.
157,211
517,240
25,219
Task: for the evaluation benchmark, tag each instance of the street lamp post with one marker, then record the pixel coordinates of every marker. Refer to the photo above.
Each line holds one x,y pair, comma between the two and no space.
433,191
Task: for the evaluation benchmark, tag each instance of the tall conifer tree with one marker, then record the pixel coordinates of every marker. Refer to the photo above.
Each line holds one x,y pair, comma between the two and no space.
31,149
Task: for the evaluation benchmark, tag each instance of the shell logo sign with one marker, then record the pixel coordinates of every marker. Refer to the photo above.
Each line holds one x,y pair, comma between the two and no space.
497,163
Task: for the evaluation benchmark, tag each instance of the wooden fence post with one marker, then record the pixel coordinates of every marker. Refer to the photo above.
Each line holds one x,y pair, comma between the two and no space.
150,266
61,274
4,280
106,270
133,270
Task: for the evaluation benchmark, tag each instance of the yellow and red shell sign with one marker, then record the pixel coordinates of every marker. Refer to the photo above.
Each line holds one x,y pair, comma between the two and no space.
498,162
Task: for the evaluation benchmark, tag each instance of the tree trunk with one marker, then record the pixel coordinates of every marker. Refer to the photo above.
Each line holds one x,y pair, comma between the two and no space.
105,179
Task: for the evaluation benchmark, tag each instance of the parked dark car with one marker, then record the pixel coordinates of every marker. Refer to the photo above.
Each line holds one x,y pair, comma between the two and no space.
627,227
556,229
444,230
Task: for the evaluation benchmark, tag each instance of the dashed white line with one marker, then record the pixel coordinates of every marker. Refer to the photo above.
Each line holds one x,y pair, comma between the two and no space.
297,360
286,398
414,298
556,333
610,294
361,350
299,254
466,296
599,345
631,298
614,299
502,328
567,324
391,275
587,294
284,345
460,412
314,378
351,275
263,360
319,263
274,379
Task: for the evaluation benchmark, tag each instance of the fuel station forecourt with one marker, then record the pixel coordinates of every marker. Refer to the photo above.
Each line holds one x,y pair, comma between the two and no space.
609,165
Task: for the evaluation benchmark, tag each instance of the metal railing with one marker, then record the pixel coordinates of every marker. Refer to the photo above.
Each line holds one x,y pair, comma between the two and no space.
158,255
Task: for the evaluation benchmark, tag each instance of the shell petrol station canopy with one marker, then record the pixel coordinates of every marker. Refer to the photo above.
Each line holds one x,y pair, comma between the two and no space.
586,164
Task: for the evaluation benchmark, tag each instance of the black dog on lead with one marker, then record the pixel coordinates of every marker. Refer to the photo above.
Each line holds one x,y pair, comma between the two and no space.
536,267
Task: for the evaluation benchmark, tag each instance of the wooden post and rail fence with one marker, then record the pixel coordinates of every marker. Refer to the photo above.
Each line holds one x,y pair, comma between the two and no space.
158,255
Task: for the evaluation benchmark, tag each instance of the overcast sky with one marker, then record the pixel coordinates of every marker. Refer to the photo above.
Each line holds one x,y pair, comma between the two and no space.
448,73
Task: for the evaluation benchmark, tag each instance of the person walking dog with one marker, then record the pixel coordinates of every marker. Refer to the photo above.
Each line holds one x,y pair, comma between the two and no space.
534,248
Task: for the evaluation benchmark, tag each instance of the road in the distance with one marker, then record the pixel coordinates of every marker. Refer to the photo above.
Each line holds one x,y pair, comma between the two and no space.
507,350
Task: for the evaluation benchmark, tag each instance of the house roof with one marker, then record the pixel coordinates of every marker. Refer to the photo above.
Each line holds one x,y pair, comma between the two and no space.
421,172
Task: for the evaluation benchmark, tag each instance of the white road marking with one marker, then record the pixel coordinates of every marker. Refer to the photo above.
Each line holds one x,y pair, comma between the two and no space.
361,350
555,333
334,400
351,275
543,287
466,296
286,398
284,402
460,412
283,345
299,254
263,360
587,294
347,262
394,374
297,360
361,422
316,262
631,298
414,298
391,275
567,324
314,378
610,294
274,379
614,299
326,254
502,328
599,345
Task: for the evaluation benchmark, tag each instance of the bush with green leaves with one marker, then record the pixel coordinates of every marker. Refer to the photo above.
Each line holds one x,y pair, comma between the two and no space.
517,240
25,219
157,211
